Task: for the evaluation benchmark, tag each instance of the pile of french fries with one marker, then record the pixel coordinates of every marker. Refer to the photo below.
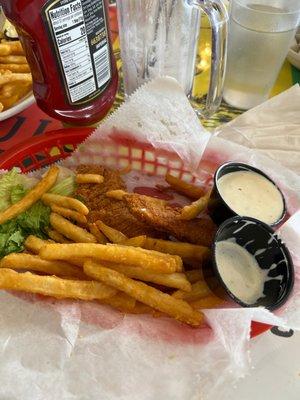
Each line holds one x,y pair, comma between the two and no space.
15,76
96,262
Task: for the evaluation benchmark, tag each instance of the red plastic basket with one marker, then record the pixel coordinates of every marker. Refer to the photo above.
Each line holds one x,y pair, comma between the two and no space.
56,145
40,151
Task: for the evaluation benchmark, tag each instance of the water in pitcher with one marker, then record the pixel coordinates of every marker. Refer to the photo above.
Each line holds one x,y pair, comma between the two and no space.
255,56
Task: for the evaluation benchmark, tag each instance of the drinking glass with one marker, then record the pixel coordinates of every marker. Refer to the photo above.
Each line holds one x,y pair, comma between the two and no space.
260,33
160,38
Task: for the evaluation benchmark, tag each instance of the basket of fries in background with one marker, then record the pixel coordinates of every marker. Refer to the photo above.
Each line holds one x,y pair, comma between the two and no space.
15,76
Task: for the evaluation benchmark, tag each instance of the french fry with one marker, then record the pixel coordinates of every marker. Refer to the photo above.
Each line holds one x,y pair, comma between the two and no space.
32,196
1,107
101,238
112,234
176,259
122,302
12,59
206,302
9,76
177,280
192,191
194,275
34,244
89,178
137,241
141,308
70,214
184,250
146,259
199,290
8,102
116,194
13,47
53,286
71,231
20,89
148,295
20,68
10,89
57,237
125,170
35,263
12,92
192,210
64,201
4,50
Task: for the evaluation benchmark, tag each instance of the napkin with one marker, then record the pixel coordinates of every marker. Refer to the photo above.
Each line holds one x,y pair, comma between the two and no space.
272,128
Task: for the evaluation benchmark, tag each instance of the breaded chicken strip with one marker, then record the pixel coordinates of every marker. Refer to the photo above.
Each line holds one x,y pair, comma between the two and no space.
112,212
166,218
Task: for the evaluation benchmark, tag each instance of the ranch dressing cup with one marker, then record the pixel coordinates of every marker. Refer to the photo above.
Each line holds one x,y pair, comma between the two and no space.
250,265
240,189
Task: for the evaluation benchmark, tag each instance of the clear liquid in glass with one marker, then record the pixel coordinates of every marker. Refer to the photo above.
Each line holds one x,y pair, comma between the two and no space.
255,57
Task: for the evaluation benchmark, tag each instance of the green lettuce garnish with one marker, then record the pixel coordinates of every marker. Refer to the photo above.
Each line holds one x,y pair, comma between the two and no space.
65,184
11,238
7,183
16,194
65,187
34,221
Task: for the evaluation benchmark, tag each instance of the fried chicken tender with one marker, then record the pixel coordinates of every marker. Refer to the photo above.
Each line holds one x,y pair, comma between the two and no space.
112,212
167,218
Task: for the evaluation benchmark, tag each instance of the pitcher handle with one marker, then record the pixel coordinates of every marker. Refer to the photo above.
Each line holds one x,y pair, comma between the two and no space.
218,16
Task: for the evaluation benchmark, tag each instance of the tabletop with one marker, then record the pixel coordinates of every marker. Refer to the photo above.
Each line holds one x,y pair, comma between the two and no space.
275,354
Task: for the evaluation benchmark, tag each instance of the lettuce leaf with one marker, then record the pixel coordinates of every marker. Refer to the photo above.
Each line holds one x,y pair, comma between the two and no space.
11,238
16,194
7,182
65,184
11,183
66,187
33,221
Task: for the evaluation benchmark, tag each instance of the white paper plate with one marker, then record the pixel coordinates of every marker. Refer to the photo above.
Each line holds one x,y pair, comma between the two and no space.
18,107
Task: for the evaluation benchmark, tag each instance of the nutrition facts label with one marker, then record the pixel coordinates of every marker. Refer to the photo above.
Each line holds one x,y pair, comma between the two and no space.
79,31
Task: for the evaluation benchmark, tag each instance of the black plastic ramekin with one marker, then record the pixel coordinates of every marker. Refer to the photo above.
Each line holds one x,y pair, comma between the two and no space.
218,209
270,253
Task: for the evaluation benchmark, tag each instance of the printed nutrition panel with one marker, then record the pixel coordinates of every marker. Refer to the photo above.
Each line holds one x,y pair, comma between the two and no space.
75,26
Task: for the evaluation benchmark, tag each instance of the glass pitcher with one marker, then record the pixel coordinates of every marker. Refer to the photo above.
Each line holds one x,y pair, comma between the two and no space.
160,38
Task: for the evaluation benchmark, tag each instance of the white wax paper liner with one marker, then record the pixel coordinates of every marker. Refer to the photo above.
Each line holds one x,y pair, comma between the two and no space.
273,128
76,350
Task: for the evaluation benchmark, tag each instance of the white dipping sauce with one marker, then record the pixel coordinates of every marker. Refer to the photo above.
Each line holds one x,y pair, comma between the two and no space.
250,194
240,271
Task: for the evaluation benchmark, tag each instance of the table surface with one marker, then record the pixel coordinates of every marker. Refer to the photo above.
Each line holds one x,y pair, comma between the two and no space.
275,354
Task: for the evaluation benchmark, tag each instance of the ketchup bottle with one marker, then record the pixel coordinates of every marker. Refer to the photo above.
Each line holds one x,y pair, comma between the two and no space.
68,47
